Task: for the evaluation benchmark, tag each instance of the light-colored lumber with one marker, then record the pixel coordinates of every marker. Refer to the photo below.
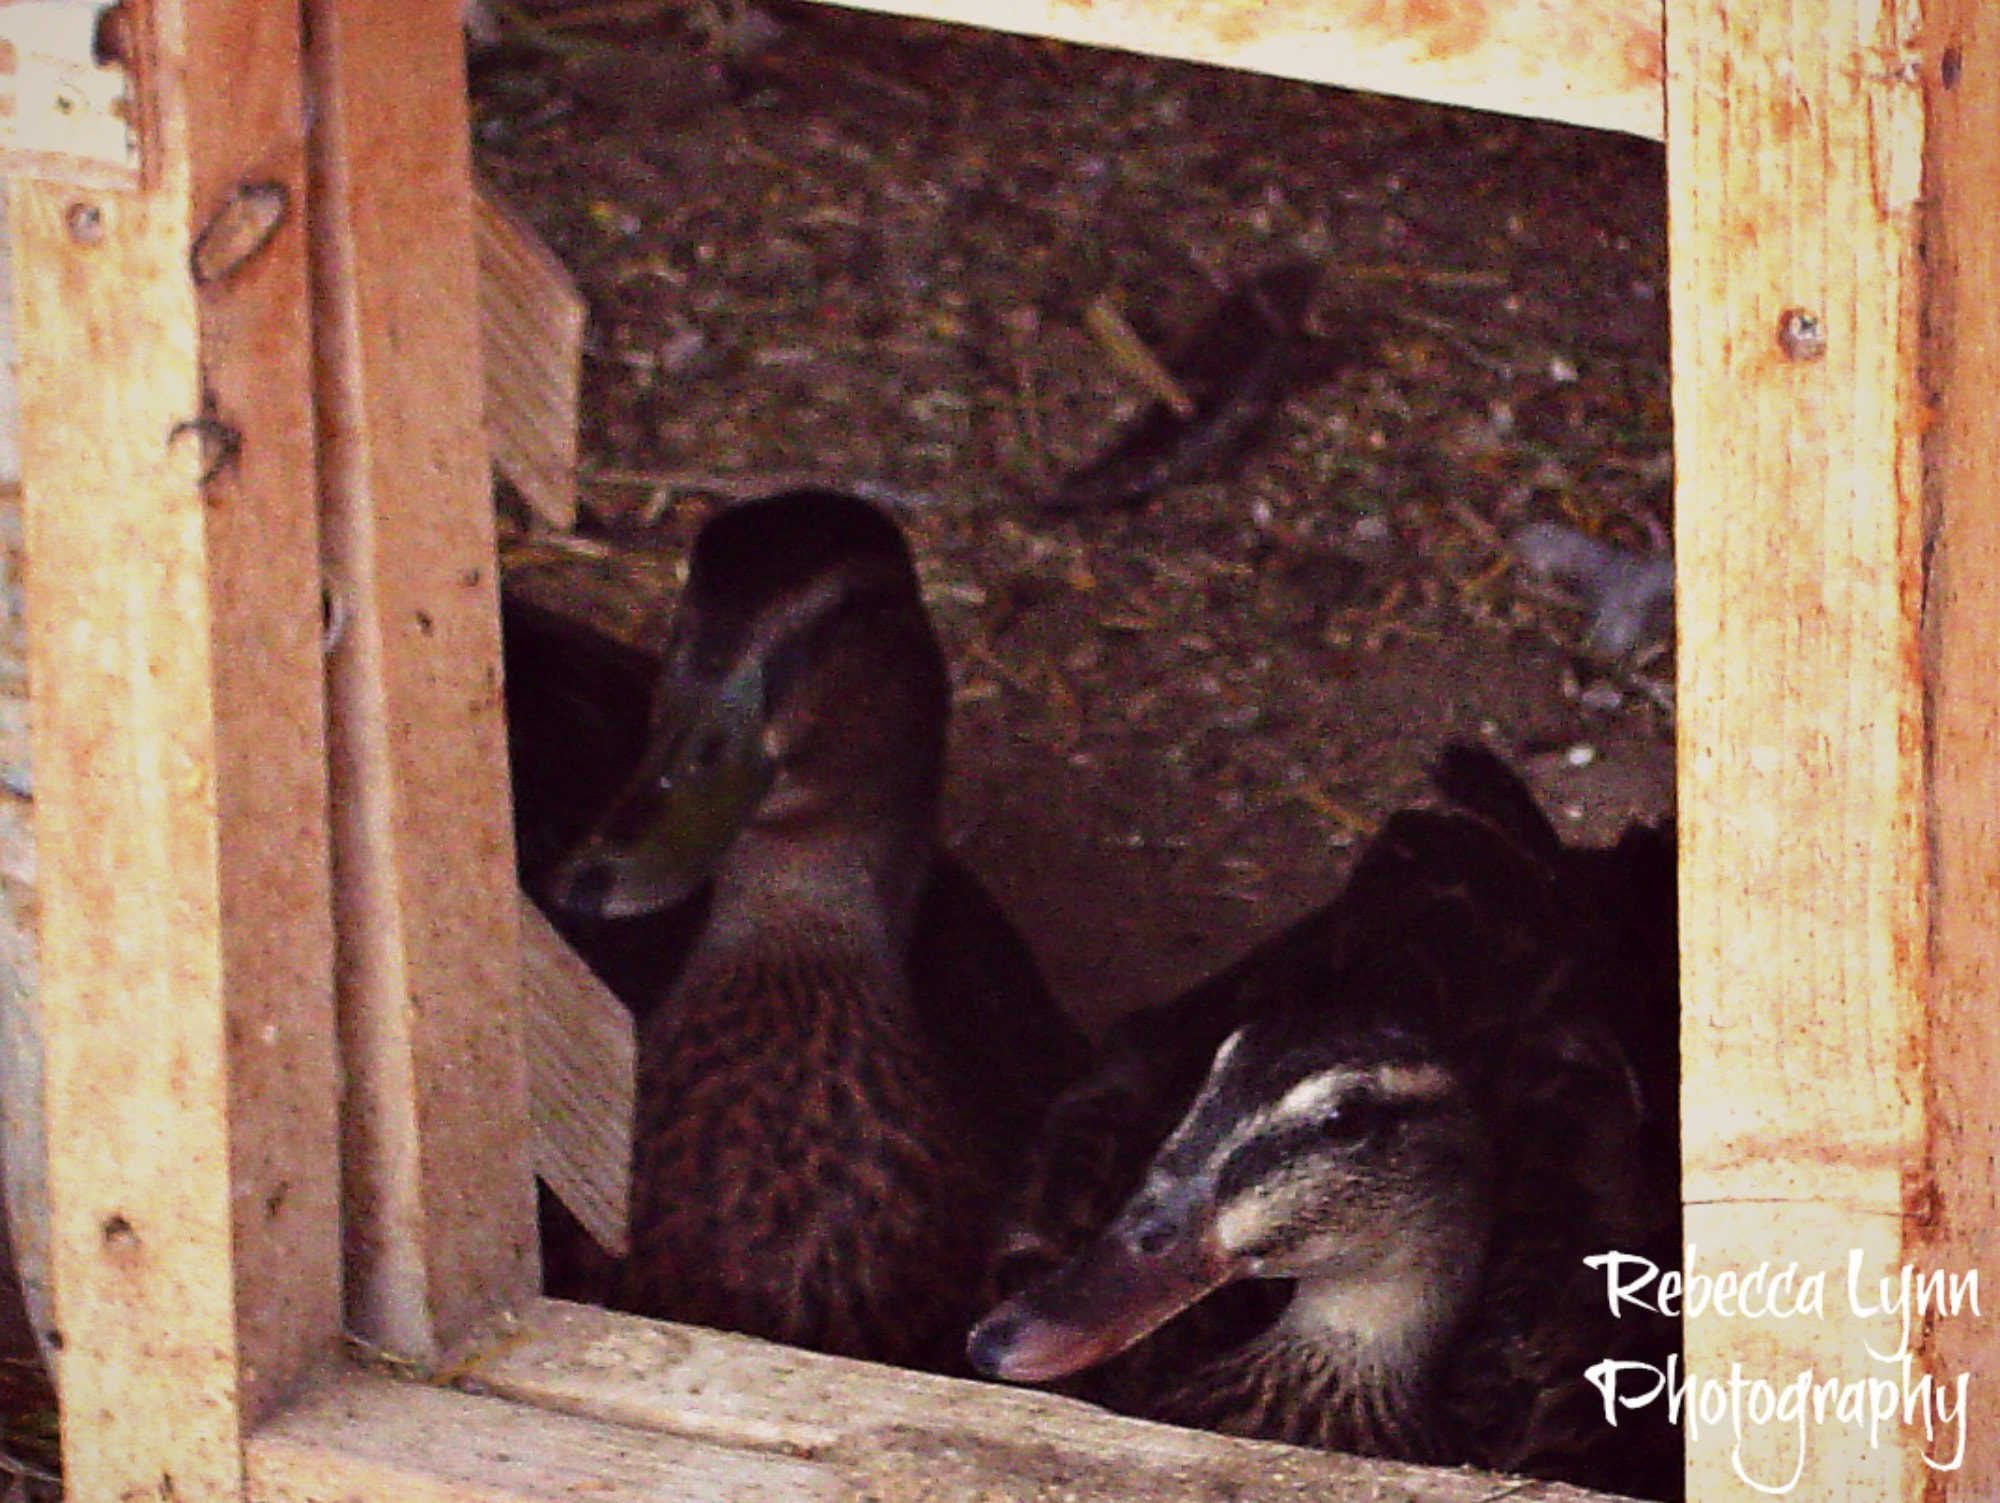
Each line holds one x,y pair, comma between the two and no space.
23,1135
1588,62
440,1189
365,1438
582,1079
65,113
174,646
897,1435
531,339
1962,367
1794,149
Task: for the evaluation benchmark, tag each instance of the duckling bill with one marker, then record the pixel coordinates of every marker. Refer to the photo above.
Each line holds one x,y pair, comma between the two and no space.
830,1083
1430,1101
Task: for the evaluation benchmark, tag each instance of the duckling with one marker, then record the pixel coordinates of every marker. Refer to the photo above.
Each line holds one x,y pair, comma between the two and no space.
835,1080
1398,1128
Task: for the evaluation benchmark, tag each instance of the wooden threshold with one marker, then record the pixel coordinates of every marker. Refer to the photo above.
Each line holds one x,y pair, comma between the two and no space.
576,1402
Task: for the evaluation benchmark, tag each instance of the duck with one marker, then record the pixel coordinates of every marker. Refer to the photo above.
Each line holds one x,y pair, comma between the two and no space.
578,702
844,1053
1340,1194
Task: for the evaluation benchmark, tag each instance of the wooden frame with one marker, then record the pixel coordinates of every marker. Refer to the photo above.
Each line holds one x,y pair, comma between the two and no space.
186,927
1834,183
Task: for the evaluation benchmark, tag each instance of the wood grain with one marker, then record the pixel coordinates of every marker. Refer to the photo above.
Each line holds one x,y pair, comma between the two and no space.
1794,148
1962,376
1588,62
531,340
366,1437
902,1437
582,1079
440,1209
174,617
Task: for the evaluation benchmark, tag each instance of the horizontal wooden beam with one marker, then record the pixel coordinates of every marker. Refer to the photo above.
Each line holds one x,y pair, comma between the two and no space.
1587,62
366,1438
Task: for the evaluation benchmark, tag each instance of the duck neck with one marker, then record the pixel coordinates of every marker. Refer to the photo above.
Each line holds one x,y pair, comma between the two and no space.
1386,1329
864,882
1350,1362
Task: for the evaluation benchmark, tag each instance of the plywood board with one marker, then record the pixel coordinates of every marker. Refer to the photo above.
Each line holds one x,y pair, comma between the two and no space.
174,642
1794,158
440,1188
1588,62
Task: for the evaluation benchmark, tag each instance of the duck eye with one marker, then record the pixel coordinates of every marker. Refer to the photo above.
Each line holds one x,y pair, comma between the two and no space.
1351,1121
1151,1228
706,752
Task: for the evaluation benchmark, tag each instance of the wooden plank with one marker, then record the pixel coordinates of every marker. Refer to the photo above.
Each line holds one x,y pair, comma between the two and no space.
23,1127
440,1188
1794,154
1589,62
366,1437
583,1060
893,1434
531,339
66,114
1962,176
174,645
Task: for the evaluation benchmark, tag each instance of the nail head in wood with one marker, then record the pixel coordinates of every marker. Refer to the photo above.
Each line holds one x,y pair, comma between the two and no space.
1801,334
85,222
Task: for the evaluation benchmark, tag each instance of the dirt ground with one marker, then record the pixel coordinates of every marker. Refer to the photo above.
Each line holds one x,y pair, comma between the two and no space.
824,245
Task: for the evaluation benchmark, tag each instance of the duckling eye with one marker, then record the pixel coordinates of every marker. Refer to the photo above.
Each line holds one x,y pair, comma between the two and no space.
706,752
1151,1228
1352,1120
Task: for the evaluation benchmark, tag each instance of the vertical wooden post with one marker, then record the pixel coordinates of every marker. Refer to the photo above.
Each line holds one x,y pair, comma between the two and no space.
440,1186
1795,150
173,605
1962,193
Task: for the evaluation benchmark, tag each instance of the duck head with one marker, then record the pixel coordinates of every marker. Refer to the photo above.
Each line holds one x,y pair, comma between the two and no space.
803,697
1350,1160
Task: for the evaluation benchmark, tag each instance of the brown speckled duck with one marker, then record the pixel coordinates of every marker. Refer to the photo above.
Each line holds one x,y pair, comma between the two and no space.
1342,1192
836,1081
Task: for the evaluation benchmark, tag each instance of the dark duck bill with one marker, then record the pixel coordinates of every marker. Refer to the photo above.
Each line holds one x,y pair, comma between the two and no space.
778,590
1146,1269
699,784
